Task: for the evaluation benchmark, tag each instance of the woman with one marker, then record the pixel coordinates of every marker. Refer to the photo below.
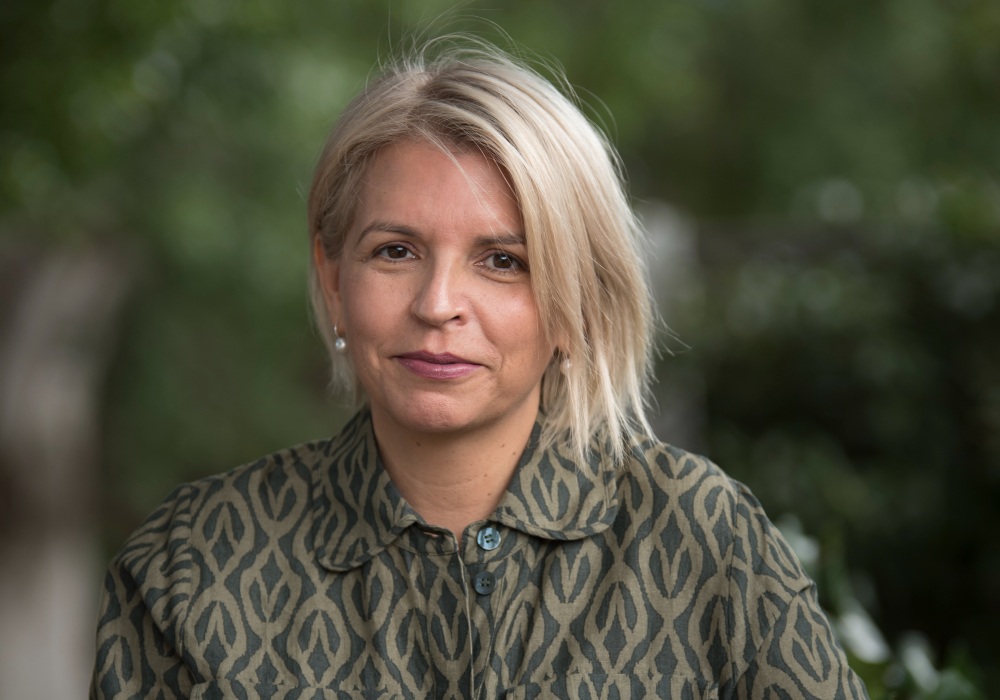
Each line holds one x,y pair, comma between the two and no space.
496,520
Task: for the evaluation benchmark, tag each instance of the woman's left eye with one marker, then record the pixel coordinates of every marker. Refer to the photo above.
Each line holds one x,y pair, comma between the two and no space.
504,262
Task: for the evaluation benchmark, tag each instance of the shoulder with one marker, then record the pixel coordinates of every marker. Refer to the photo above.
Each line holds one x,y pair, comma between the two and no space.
659,477
727,560
199,528
219,516
695,498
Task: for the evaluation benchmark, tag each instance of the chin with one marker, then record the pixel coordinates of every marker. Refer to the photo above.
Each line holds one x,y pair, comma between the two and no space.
437,423
435,417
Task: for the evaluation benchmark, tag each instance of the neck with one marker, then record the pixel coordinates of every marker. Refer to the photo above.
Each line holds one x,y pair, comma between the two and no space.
452,480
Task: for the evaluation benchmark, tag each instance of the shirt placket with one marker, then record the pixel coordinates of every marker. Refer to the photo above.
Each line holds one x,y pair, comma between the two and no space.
442,580
484,551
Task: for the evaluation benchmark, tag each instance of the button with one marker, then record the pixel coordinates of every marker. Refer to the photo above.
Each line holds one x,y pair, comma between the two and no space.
488,538
484,583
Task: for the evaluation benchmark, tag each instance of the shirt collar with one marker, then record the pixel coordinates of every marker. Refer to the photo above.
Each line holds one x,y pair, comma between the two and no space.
552,495
359,511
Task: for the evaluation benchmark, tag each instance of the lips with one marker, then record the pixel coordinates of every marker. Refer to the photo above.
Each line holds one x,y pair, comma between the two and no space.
437,366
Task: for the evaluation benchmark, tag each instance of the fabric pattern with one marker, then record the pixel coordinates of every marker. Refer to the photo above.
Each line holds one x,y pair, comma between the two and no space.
306,575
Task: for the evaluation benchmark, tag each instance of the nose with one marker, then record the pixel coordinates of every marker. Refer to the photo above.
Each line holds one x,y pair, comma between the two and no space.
441,296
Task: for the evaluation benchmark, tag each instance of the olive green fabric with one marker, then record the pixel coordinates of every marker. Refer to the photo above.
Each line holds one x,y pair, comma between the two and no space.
306,575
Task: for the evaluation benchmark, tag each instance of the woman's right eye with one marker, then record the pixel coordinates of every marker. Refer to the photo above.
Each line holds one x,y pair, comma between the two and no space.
393,251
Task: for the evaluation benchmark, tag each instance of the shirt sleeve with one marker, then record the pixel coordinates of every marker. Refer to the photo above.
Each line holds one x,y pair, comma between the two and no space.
800,658
144,599
782,642
134,657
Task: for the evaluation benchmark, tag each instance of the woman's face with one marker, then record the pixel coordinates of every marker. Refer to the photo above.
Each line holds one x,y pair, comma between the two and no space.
432,293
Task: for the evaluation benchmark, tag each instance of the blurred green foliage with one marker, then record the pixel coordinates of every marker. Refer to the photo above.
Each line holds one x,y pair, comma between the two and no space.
839,162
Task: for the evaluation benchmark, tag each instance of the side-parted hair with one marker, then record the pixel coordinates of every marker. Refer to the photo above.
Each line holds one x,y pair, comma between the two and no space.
582,237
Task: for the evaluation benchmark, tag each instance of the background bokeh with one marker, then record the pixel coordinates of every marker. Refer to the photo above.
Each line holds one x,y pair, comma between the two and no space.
821,186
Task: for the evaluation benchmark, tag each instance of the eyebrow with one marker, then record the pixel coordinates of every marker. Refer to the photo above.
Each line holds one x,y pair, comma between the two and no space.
389,226
510,238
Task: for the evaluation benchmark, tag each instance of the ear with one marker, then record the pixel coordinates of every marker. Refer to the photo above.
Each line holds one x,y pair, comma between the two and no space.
559,345
328,275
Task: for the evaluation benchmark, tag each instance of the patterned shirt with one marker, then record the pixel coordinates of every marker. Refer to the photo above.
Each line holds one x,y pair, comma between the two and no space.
306,575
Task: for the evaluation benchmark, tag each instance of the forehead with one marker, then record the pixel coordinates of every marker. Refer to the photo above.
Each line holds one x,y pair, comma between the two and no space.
435,182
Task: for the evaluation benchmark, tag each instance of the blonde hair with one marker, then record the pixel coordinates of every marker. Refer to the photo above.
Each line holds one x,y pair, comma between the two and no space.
582,236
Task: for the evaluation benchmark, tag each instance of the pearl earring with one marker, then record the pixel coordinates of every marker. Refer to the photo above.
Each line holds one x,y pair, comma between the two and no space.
566,365
340,345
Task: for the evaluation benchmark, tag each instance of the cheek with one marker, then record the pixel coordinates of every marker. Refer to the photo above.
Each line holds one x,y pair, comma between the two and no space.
372,314
357,319
356,293
516,325
363,331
